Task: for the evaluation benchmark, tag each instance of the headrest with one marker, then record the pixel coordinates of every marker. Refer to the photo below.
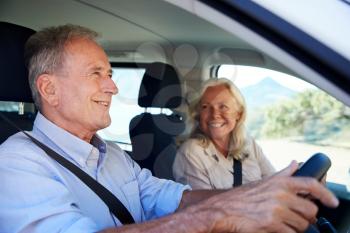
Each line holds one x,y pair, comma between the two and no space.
13,73
160,87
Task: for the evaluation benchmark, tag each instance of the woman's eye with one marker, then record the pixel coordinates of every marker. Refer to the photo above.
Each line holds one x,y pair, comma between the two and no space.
204,107
223,107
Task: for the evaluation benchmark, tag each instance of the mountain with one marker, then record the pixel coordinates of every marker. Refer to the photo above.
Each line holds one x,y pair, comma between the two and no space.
265,92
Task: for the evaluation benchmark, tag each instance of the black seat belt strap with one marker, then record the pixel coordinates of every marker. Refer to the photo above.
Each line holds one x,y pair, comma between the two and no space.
237,172
115,206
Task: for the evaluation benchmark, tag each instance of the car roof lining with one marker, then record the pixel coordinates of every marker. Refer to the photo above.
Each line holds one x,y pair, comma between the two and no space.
168,28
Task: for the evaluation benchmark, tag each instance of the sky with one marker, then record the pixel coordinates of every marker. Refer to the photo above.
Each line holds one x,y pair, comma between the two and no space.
244,76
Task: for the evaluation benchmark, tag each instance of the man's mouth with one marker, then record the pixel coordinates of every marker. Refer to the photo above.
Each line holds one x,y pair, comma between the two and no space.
104,103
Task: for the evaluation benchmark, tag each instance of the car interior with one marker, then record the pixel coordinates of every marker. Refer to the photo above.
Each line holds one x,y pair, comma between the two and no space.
161,52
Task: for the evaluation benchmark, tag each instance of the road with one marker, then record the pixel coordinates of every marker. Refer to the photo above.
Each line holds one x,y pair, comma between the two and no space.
281,152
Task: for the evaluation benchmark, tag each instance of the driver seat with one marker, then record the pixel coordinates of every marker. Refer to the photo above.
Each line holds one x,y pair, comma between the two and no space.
14,79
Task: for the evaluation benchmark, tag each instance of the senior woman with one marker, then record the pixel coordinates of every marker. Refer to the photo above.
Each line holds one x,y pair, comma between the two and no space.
218,148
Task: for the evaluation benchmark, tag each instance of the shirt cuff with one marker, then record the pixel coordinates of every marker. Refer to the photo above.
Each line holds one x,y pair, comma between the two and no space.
171,194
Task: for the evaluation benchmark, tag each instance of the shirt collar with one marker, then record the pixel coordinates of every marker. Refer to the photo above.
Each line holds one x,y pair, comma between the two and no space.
99,143
72,146
212,151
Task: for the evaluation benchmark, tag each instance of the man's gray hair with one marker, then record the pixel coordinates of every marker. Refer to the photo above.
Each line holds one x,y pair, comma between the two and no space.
44,52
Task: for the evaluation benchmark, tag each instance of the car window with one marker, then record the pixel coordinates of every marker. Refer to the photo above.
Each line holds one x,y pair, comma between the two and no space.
124,105
20,114
292,119
19,108
8,106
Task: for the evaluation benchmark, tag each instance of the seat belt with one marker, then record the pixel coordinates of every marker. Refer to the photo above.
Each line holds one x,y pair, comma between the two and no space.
115,206
237,173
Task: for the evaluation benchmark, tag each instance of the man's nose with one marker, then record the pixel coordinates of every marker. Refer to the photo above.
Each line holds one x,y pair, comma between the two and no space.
109,86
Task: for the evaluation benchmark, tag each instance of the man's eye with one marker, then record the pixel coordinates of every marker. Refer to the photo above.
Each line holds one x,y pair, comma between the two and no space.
95,74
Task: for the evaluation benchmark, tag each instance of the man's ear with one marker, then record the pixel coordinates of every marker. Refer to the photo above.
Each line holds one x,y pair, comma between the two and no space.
47,87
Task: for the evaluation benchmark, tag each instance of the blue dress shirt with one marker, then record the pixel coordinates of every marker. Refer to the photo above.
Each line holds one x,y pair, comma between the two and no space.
39,195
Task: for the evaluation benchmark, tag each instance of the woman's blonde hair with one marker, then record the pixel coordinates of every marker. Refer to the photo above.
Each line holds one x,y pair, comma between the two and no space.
238,134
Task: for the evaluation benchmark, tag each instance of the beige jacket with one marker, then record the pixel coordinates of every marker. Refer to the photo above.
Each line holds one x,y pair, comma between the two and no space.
206,168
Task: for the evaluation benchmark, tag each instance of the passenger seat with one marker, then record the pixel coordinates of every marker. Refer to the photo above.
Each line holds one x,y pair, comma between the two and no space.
153,135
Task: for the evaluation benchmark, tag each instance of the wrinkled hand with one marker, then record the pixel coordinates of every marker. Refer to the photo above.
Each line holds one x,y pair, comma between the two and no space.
324,179
270,205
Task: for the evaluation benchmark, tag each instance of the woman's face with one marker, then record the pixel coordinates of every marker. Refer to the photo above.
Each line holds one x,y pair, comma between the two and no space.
219,112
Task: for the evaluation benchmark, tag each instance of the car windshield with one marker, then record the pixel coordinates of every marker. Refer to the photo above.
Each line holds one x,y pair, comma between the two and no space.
292,119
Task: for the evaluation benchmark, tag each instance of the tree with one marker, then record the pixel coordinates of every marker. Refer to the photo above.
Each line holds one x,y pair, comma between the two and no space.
312,114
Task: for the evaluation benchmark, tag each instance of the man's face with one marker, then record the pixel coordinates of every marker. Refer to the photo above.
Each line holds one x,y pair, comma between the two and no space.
85,88
218,113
